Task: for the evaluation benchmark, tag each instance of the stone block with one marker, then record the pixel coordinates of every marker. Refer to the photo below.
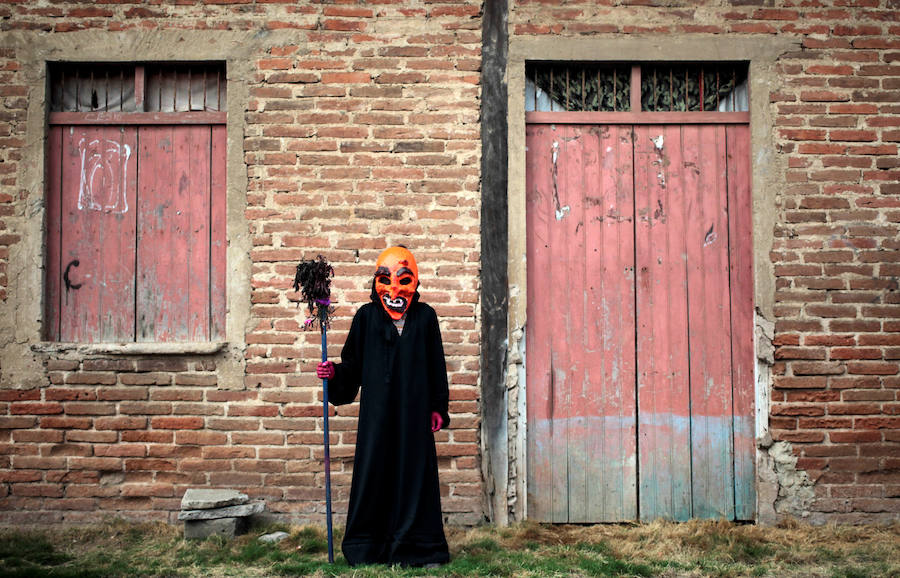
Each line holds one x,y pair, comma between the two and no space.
205,499
240,511
225,527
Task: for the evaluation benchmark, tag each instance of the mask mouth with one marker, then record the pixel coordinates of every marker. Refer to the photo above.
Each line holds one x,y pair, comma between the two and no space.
398,304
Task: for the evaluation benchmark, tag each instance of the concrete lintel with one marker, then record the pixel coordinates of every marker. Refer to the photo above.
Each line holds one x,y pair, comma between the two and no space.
656,48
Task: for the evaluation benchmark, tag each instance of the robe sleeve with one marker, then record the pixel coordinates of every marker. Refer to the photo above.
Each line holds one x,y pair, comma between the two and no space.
344,386
437,370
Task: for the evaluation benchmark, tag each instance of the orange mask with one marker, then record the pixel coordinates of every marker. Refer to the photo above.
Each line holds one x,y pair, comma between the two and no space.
396,280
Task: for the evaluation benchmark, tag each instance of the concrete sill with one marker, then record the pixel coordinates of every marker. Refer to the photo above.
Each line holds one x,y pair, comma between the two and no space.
192,348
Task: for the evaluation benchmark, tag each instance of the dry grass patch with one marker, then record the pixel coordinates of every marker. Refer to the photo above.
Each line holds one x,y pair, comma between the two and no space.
696,548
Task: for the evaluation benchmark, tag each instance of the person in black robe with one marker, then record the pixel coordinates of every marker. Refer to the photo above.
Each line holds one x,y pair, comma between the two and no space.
395,354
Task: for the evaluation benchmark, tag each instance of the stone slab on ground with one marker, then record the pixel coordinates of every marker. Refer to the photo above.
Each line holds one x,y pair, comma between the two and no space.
225,527
240,511
274,537
206,499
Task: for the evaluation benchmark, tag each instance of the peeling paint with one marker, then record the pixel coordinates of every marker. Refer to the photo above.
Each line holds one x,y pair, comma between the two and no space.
711,236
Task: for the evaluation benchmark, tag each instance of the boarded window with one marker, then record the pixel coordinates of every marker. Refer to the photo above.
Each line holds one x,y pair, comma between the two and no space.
135,205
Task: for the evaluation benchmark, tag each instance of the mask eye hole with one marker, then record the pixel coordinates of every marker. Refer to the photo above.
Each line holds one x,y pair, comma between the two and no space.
406,280
384,280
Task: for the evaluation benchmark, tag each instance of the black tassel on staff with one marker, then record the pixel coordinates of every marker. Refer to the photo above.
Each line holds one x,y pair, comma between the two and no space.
314,279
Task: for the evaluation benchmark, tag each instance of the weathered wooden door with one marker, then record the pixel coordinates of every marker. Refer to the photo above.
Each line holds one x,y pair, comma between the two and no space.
639,335
135,244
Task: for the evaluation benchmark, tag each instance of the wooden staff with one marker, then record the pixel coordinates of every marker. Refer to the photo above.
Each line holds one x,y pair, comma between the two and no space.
314,277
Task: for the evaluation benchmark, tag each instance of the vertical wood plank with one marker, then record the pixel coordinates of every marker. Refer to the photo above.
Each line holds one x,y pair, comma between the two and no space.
173,257
740,227
80,242
53,201
706,235
663,386
98,232
577,175
197,203
539,139
610,332
150,236
118,238
218,232
557,300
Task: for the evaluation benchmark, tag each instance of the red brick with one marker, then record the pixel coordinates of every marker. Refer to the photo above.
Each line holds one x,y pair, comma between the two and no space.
120,423
89,408
177,423
801,368
27,408
853,408
201,438
20,395
873,368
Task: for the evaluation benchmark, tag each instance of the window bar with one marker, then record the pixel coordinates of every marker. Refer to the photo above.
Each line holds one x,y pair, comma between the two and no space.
551,89
615,88
159,81
204,88
106,91
717,88
121,88
653,94
77,90
175,90
582,89
568,88
702,93
62,89
733,89
635,88
686,96
671,90
218,91
140,88
190,88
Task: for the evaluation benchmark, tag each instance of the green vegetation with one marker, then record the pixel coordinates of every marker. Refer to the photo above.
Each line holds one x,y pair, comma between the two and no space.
119,548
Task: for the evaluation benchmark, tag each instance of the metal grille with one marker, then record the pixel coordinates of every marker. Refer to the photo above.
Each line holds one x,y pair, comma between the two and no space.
694,88
129,87
667,87
576,87
92,87
184,88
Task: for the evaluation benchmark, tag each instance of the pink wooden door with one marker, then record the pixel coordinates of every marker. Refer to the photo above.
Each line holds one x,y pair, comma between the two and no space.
639,333
136,244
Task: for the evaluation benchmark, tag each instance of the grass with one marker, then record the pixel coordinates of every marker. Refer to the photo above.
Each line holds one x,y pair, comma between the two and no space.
693,549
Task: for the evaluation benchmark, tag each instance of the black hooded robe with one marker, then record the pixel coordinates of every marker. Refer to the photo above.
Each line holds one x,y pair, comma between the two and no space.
394,515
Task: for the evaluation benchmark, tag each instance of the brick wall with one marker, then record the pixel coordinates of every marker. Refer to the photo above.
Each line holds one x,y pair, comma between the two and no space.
364,129
836,248
361,131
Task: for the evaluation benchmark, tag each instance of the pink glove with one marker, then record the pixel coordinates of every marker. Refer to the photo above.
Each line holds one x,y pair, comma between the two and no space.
325,370
437,422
